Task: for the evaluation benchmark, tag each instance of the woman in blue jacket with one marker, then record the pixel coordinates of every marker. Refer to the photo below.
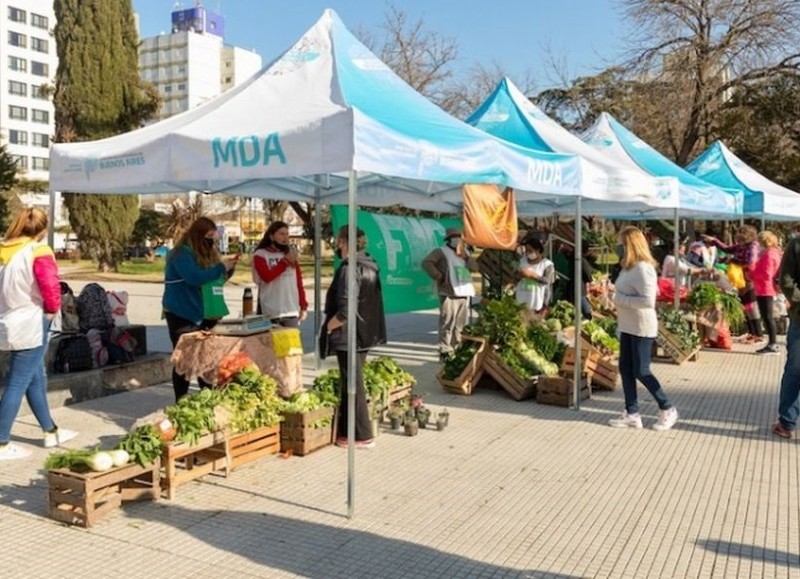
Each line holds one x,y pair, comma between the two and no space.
194,261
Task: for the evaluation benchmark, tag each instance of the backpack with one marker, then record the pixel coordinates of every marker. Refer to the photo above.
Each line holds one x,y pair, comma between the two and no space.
70,323
94,311
73,354
120,345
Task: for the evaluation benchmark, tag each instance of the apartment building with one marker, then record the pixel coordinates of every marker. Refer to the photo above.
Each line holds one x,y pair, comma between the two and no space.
28,64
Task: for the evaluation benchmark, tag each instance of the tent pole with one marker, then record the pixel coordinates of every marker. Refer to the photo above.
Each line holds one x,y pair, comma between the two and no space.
578,282
317,267
676,298
352,313
51,231
763,223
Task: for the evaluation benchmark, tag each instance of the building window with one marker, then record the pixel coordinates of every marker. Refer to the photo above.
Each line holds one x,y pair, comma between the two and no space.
39,68
168,88
16,15
18,137
39,21
18,64
39,91
41,140
182,86
17,88
17,113
40,116
17,39
228,79
40,163
20,160
39,44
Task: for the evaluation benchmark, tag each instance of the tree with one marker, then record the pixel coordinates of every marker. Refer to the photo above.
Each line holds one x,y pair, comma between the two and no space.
701,51
761,123
150,227
98,94
8,180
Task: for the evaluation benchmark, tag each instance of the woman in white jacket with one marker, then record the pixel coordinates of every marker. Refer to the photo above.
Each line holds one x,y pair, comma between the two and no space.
635,298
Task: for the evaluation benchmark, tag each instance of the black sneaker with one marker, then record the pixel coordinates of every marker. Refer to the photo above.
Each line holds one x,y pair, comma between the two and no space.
769,349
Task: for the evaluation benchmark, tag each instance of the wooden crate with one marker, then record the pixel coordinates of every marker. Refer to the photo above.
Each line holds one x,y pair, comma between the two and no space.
559,391
606,374
671,347
500,268
465,382
183,462
518,387
79,498
302,433
590,359
249,446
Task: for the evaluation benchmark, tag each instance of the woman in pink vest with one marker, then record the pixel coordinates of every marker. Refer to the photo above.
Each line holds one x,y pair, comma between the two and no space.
764,275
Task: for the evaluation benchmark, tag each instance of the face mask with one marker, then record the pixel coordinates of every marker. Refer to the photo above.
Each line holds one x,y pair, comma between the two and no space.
453,242
533,256
210,242
338,252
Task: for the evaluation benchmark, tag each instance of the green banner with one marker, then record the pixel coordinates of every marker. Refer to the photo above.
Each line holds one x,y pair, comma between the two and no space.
398,245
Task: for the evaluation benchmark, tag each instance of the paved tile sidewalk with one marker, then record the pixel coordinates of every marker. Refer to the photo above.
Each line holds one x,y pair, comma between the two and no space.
510,489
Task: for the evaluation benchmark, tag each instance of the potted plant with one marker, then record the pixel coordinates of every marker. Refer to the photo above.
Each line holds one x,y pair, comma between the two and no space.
442,419
423,415
411,424
395,414
377,414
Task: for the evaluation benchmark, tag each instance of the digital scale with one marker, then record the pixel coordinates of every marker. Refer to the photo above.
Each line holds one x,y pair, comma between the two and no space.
245,326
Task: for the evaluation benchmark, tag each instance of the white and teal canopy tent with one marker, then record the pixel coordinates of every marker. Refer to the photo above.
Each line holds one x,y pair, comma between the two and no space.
326,122
508,114
327,106
695,195
763,198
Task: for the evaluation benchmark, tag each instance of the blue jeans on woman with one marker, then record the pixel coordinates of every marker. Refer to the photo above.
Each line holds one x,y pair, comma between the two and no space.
635,354
26,377
789,400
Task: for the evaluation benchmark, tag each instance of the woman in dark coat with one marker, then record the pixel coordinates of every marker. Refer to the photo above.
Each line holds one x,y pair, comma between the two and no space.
370,330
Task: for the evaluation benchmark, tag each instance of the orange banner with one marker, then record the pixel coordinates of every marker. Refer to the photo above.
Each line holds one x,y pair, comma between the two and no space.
490,217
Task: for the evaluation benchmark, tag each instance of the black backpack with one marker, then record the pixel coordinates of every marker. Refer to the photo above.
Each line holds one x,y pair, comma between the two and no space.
94,311
73,354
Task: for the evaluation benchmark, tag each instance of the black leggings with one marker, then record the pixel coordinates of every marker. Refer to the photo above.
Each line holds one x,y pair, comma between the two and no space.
765,305
363,421
177,327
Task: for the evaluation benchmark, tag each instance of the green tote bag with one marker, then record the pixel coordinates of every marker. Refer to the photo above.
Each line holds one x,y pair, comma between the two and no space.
214,306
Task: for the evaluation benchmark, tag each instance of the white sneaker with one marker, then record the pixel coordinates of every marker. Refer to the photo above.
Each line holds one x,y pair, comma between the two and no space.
627,421
59,437
11,451
666,419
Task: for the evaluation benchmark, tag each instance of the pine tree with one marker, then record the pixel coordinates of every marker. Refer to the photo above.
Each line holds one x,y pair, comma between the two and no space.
98,94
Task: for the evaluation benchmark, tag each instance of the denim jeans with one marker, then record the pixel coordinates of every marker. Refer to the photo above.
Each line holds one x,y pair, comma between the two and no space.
789,400
635,354
362,418
26,377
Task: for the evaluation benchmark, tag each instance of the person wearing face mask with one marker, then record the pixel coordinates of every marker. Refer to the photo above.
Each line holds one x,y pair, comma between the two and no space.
370,323
538,273
193,262
450,267
276,271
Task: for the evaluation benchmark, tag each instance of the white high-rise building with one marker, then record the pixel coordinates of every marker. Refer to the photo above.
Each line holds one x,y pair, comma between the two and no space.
28,63
192,64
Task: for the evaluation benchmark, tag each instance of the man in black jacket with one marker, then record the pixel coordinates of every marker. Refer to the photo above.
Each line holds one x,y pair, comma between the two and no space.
370,330
789,399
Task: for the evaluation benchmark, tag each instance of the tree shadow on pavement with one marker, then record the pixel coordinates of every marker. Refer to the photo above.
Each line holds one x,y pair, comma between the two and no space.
726,549
312,549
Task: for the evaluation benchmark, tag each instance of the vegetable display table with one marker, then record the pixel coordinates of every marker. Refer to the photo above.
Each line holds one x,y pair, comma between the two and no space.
80,498
199,354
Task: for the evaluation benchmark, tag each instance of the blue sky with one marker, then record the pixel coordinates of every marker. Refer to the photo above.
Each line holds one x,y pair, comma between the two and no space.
584,35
